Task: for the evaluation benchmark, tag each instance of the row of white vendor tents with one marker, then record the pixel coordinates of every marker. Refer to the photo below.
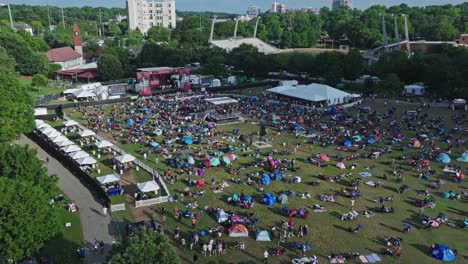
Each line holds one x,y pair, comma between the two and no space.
82,158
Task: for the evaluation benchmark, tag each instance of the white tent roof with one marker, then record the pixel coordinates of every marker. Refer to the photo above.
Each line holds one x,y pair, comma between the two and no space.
125,158
59,139
104,144
108,178
66,143
83,94
313,92
69,123
148,186
70,148
78,155
70,91
86,161
86,133
222,100
42,125
38,121
48,130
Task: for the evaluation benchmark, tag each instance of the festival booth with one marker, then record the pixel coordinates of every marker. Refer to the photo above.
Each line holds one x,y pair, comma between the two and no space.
86,133
263,235
86,161
70,148
110,184
238,230
70,126
146,187
65,143
124,161
104,146
78,155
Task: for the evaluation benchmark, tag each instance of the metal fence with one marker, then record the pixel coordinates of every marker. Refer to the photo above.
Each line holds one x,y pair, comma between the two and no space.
149,202
88,103
47,98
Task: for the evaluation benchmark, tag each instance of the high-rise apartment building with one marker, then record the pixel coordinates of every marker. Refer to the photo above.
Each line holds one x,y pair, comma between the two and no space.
144,14
337,3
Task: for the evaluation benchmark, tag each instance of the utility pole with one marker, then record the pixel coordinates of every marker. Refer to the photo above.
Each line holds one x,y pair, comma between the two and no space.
63,19
397,36
256,27
11,17
235,28
408,46
384,30
212,28
48,15
100,24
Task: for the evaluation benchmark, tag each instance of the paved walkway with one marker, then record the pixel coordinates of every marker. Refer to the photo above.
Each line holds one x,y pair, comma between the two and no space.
95,225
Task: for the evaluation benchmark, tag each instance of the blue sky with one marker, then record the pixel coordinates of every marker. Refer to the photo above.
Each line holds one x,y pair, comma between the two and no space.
235,6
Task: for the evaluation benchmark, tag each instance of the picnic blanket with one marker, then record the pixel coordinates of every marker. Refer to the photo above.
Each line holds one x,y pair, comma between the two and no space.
372,258
365,174
371,183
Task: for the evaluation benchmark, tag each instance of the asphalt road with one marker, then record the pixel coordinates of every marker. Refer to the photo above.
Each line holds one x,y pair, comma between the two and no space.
96,226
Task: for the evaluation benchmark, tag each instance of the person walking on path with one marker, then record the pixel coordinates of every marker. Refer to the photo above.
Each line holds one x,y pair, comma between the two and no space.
352,203
194,222
104,210
265,256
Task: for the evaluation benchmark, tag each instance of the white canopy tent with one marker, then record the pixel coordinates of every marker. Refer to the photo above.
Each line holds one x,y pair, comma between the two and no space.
59,139
313,93
108,178
38,122
125,158
78,155
66,143
47,130
44,127
86,161
222,101
86,133
70,123
149,186
71,148
83,94
104,144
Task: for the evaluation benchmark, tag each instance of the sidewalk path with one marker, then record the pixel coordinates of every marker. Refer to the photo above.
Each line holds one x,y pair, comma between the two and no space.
95,225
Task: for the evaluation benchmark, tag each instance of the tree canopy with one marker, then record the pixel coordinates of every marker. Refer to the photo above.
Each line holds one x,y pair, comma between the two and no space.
109,67
16,107
158,34
145,246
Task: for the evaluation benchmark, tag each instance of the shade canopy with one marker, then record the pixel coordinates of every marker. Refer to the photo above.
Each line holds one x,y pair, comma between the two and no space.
42,125
70,123
70,148
108,178
86,161
104,144
149,186
125,158
60,138
78,155
65,143
86,133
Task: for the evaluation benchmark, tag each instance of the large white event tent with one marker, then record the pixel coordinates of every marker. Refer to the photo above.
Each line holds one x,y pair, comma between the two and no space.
104,144
86,161
149,186
108,178
78,155
71,148
316,93
70,123
125,158
86,133
65,143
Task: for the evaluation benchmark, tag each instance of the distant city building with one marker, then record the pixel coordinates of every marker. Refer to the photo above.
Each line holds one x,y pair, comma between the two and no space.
337,3
278,8
311,10
144,14
253,11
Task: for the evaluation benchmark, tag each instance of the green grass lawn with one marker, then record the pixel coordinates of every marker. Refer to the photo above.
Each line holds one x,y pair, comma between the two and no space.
62,248
37,91
327,233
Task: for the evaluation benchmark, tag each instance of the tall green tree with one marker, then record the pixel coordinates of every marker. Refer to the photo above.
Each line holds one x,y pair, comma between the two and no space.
144,246
353,65
159,34
8,62
16,107
21,164
109,67
27,220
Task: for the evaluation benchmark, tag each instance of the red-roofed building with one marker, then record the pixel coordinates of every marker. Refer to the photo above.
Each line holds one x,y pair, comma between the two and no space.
66,57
